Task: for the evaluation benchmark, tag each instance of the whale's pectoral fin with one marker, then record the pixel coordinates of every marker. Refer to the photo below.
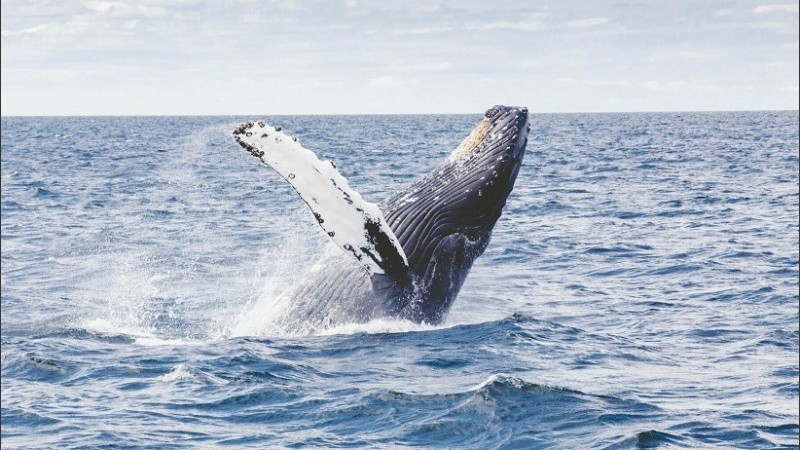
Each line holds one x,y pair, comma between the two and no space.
354,224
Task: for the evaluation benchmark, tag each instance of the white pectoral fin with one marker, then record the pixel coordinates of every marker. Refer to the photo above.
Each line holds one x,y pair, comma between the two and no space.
354,224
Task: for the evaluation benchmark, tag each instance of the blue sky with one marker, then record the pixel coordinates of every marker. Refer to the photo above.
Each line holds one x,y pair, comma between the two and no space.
127,57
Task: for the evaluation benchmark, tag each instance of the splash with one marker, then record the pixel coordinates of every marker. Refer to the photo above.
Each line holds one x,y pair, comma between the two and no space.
278,270
198,286
379,326
206,285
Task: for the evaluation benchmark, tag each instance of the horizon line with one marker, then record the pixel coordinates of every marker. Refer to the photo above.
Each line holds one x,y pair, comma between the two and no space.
398,114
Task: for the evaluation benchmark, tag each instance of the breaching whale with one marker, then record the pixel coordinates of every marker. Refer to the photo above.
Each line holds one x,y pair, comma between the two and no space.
414,251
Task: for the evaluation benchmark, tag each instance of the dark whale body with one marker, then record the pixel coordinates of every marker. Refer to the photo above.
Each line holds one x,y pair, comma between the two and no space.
441,223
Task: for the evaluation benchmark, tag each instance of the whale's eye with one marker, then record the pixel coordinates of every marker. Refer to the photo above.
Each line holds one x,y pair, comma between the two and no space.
492,112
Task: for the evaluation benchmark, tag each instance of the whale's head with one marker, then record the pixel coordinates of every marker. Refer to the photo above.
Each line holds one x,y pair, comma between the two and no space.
503,131
487,161
444,221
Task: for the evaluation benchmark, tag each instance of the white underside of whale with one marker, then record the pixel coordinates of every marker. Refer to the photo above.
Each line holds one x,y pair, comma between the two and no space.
354,224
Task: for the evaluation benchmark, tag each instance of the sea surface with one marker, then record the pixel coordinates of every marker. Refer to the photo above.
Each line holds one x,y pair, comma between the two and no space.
640,289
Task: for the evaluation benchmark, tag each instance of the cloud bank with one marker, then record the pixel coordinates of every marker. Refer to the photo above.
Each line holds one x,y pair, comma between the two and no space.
392,56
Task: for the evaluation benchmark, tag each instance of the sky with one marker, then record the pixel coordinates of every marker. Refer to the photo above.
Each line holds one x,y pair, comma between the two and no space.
204,57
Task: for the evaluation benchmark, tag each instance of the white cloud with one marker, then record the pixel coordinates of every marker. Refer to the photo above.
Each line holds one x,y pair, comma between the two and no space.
605,83
421,30
587,23
385,82
121,9
571,60
292,5
500,25
596,83
786,7
439,52
673,86
39,75
31,30
104,7
152,11
691,54
431,67
654,85
695,55
518,26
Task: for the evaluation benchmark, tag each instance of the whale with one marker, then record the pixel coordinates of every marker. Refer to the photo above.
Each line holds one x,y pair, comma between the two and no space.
407,257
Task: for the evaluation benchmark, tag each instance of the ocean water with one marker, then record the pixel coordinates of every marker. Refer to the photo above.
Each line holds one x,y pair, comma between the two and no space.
640,290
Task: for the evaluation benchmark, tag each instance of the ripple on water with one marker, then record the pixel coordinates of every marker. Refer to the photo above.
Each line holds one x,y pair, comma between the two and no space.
640,289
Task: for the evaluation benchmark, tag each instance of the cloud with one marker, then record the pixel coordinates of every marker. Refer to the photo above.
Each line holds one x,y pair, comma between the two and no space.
490,26
691,54
120,9
42,75
518,26
152,11
595,83
421,30
786,7
605,83
570,60
103,7
694,55
654,56
431,67
587,23
31,30
673,86
385,82
724,13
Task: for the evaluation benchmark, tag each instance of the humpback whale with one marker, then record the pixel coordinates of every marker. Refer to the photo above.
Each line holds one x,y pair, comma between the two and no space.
413,252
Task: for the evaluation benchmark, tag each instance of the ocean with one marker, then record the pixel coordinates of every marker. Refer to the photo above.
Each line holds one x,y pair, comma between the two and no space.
640,289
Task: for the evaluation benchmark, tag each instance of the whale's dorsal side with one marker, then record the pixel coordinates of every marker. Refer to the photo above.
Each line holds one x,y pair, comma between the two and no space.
354,224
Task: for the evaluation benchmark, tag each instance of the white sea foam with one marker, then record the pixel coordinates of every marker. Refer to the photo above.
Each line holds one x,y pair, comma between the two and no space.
379,326
141,335
187,372
179,372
